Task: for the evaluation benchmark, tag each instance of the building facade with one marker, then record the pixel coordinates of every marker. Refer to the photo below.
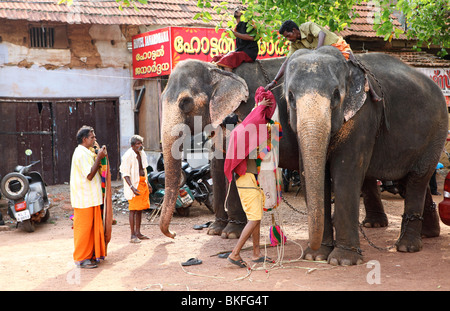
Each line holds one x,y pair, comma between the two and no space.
62,67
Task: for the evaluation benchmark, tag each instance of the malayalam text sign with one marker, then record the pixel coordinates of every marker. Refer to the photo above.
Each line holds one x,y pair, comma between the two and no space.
157,52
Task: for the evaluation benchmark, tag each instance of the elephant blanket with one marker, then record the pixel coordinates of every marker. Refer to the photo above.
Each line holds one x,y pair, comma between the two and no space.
247,136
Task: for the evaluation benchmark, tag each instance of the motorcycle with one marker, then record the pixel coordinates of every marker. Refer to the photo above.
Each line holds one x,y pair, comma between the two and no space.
199,181
27,196
1,216
157,181
393,187
291,178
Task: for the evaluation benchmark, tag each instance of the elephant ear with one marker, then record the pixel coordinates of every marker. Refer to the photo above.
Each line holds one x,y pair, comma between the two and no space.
229,91
356,95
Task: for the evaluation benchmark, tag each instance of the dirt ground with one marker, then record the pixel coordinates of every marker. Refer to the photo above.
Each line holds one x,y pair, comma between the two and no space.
42,260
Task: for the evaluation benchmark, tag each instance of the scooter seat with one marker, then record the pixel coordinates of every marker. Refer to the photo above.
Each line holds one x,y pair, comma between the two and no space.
153,176
200,171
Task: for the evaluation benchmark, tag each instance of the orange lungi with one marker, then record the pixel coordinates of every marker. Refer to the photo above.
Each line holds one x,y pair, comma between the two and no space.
344,47
140,202
88,234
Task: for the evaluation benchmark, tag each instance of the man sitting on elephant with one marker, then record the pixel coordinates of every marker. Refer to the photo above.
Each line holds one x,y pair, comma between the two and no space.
246,46
312,36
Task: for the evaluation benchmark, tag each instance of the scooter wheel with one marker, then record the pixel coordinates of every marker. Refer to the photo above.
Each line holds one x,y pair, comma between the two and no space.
14,186
28,225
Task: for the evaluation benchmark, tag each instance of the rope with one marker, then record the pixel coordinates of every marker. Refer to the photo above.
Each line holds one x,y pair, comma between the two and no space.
226,198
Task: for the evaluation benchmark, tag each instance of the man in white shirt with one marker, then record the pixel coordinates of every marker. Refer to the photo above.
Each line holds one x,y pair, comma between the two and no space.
136,188
86,198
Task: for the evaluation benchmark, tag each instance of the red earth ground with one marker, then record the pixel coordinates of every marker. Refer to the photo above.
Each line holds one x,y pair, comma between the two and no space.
42,260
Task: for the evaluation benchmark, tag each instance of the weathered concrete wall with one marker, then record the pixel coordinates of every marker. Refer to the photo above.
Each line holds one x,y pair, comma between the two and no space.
96,63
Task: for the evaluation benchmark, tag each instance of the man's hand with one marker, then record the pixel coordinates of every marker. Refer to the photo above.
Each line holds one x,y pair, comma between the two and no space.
102,152
135,191
94,169
265,102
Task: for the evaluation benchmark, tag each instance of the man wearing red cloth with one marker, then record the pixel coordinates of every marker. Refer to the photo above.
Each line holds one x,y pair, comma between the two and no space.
245,139
246,46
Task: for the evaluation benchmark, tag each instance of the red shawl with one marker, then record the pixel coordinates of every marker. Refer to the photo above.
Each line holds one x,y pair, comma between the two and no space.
246,136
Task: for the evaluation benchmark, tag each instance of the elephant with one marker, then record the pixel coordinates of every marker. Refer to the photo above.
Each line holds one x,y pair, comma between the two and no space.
198,89
347,141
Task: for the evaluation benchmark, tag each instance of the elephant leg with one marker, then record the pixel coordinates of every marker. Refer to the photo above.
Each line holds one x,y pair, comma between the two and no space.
430,225
346,219
410,235
227,224
327,243
375,215
219,186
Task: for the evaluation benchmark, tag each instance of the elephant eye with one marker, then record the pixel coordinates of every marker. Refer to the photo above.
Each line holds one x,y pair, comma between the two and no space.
186,104
335,99
291,100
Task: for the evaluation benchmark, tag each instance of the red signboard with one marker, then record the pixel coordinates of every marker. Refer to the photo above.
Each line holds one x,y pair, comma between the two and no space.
157,52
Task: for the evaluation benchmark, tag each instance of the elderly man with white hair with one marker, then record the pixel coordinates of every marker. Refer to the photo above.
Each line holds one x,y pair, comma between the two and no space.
136,188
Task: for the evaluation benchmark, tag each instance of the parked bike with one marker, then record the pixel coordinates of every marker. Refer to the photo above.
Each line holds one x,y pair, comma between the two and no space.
393,187
291,178
200,182
1,216
27,196
157,181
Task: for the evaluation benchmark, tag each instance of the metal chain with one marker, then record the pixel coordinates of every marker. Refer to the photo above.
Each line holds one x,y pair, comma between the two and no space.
231,221
266,76
293,208
406,218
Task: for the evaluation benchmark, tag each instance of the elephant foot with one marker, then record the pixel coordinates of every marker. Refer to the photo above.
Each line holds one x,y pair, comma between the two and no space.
217,227
345,256
318,255
375,220
430,224
410,240
410,245
233,230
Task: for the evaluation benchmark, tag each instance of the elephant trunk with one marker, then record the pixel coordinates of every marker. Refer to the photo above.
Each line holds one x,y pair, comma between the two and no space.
172,169
313,128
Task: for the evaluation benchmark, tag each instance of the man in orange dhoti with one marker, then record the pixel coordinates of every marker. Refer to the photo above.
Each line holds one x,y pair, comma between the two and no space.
86,198
136,187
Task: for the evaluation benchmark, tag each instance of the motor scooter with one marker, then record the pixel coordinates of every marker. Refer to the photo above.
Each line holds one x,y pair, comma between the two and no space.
157,181
27,196
291,178
1,216
200,182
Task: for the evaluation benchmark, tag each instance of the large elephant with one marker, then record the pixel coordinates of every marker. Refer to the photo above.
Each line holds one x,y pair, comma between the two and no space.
200,90
347,141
